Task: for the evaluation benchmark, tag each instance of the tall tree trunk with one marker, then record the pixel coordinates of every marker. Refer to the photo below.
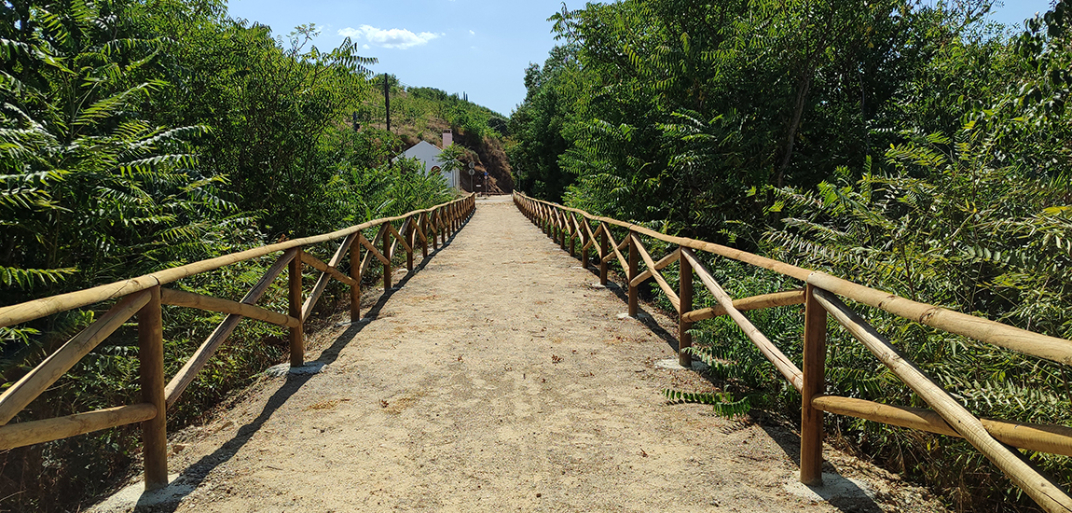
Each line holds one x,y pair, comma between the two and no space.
798,110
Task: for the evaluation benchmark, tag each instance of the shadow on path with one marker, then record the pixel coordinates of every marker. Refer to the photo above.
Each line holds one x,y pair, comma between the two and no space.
837,490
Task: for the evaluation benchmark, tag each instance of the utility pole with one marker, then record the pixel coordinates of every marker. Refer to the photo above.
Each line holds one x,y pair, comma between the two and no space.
387,99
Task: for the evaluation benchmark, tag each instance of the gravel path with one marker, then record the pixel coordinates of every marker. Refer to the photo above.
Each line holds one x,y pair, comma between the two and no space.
498,378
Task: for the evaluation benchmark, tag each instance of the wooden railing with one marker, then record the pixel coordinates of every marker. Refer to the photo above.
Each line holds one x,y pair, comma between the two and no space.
821,296
143,297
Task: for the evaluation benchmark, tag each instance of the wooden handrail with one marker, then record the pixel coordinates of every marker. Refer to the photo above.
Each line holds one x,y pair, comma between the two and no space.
780,361
25,390
144,295
39,431
761,302
30,310
960,419
329,270
983,330
201,356
218,305
820,298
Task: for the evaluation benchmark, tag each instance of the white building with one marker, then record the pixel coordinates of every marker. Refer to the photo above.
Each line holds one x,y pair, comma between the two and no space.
428,154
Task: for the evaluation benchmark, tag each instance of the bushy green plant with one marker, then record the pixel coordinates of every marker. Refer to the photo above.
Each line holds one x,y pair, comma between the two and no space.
943,226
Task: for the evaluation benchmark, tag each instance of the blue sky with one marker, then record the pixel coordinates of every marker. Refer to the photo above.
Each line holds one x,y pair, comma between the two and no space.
477,47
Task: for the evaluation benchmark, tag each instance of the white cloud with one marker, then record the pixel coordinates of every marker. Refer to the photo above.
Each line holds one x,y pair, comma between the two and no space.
471,33
388,38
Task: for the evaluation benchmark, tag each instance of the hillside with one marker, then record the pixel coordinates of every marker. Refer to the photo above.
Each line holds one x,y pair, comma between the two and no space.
424,113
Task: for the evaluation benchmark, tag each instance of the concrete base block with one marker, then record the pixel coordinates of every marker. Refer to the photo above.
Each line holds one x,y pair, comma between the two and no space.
835,487
135,498
283,369
673,364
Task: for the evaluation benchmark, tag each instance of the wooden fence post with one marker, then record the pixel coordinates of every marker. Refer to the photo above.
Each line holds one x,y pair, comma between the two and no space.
297,345
562,231
433,232
442,230
604,248
634,259
684,339
355,274
811,418
151,358
408,234
386,240
424,230
573,236
584,246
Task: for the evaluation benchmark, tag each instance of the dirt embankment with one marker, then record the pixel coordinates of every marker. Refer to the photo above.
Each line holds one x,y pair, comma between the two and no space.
490,157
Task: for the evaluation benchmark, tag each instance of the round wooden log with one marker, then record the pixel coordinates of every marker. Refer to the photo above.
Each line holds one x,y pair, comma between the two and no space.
151,375
811,418
1046,494
204,352
25,390
663,263
322,280
604,248
355,276
984,330
388,254
787,298
215,304
39,431
372,251
684,339
631,272
671,294
1027,342
30,310
1046,438
294,295
328,270
784,365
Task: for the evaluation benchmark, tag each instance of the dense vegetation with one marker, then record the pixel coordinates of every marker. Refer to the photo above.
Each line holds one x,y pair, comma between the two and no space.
911,146
141,135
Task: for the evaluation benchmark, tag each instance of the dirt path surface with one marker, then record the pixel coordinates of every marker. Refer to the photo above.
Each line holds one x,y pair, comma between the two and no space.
498,378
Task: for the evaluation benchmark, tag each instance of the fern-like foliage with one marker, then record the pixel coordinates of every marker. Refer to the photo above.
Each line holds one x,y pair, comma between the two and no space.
90,191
